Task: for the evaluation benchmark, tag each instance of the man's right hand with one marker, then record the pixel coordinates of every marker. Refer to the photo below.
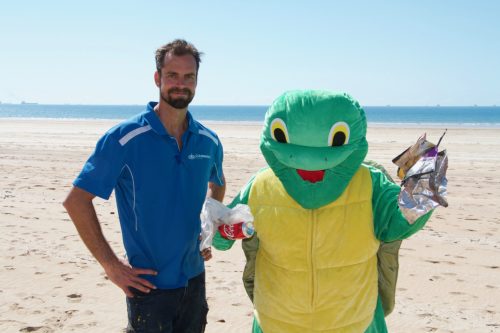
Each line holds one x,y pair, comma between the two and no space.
125,276
81,210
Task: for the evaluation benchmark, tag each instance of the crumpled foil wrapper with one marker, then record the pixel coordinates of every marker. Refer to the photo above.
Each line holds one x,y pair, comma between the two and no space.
422,169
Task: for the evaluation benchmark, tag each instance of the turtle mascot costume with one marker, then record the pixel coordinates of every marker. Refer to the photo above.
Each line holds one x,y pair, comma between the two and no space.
327,226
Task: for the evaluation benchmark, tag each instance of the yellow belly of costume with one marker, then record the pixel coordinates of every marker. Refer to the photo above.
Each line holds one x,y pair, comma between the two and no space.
316,270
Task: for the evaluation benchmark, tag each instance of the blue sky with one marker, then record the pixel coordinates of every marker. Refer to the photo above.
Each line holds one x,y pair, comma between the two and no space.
424,52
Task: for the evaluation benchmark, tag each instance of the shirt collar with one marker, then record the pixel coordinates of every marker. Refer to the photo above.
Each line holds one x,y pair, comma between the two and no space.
157,125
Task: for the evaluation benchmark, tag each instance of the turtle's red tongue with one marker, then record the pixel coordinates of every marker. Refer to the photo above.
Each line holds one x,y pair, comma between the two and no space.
311,176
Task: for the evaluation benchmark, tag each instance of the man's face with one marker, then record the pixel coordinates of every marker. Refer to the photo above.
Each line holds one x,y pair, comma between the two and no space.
177,81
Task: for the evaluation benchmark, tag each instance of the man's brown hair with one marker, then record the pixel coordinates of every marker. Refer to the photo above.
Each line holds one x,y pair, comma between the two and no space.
178,47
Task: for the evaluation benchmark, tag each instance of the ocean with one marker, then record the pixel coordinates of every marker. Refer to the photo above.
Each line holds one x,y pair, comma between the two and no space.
451,116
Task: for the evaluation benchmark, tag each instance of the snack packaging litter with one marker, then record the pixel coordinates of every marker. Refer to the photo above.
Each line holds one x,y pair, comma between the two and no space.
422,169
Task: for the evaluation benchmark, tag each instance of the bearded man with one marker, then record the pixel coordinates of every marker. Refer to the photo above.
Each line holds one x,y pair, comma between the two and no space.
159,164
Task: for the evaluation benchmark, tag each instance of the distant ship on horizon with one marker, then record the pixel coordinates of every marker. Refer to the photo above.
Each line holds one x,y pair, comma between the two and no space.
28,103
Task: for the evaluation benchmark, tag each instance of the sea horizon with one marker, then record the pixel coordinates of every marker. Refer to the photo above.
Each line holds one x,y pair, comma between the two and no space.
433,116
244,105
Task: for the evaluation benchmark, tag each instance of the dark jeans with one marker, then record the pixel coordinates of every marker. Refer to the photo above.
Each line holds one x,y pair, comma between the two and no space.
181,310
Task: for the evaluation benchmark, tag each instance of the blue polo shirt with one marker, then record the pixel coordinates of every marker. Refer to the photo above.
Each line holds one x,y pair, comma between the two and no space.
159,191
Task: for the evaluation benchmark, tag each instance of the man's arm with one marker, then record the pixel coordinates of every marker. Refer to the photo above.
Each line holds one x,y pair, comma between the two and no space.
217,191
81,210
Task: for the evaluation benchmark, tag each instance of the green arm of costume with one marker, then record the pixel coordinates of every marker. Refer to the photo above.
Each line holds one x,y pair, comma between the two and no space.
250,245
389,223
219,242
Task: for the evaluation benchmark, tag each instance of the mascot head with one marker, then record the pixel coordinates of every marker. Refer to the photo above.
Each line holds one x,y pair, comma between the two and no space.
314,141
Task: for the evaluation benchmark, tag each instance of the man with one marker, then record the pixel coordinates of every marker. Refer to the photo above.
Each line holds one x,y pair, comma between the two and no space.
159,164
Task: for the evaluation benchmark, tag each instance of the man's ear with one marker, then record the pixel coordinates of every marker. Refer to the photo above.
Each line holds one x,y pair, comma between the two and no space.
157,79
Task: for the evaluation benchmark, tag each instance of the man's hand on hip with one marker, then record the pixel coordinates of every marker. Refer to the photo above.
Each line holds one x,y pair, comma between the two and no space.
125,276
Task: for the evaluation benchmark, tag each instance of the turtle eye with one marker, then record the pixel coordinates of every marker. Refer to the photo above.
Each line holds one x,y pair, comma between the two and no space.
339,134
278,131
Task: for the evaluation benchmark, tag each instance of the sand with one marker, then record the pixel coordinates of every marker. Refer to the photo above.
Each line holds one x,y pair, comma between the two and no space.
449,276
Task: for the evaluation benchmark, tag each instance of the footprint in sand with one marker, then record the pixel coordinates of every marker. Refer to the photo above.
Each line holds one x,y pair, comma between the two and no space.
440,262
34,299
425,315
70,312
223,288
87,325
39,329
74,298
15,306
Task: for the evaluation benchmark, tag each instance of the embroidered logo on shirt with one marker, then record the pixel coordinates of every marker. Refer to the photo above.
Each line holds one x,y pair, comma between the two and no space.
197,156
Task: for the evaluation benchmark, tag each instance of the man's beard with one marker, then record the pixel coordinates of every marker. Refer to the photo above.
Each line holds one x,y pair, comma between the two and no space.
178,103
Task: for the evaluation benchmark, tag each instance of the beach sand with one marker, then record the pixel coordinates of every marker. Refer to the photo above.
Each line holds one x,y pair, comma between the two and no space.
449,278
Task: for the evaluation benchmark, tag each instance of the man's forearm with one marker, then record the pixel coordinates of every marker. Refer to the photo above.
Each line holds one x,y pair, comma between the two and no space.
81,210
216,192
84,216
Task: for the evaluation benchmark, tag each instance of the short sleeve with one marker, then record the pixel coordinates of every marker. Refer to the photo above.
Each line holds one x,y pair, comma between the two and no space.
103,168
216,174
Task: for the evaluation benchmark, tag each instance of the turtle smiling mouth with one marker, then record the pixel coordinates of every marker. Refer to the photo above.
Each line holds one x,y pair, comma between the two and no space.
311,176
